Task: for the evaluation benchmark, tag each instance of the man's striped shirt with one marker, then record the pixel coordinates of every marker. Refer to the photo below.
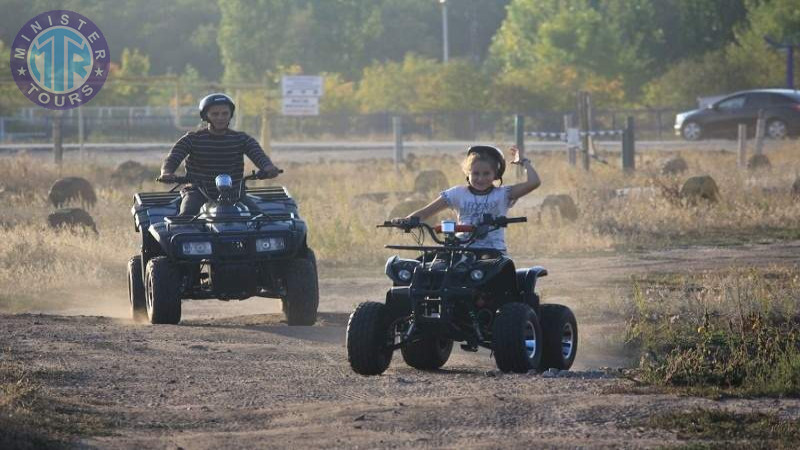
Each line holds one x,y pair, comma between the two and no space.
208,155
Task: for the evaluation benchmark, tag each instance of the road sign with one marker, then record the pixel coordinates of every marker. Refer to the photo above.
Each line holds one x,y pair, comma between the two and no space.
300,106
302,86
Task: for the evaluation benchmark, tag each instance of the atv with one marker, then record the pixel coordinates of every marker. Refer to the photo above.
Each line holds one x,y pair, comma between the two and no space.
456,292
225,252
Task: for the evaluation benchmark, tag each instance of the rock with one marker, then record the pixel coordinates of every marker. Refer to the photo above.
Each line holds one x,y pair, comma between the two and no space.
132,172
700,187
636,192
758,161
674,166
550,373
69,189
375,197
430,182
796,187
563,203
406,207
71,218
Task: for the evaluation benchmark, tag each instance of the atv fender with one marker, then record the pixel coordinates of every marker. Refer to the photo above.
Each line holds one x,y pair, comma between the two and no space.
526,281
398,302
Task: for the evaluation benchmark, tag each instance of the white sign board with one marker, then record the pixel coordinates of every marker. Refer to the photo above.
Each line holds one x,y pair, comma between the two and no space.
573,137
302,86
300,106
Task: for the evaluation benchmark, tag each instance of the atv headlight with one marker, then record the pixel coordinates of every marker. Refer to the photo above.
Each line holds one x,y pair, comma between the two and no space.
270,244
476,275
404,274
196,248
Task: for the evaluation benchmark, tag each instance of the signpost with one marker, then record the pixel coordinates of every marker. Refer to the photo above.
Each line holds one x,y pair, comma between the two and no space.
301,95
300,106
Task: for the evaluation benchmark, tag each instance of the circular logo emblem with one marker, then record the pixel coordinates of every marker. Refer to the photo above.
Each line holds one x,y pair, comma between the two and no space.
60,59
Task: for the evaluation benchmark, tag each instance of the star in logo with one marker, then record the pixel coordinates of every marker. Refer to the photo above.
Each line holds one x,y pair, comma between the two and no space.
98,72
21,71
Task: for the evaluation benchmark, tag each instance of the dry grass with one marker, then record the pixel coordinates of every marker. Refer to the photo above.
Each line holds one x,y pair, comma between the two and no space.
35,261
733,331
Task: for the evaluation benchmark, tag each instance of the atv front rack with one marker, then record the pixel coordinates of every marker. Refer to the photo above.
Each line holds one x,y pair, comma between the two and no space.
149,199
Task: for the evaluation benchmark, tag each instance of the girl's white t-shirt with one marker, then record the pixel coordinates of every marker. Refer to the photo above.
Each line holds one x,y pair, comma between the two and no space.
471,208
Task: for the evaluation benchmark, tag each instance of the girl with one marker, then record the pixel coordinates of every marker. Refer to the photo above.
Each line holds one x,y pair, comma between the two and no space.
484,165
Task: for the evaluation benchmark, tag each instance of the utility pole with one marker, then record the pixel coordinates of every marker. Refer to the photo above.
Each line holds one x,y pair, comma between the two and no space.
446,53
789,47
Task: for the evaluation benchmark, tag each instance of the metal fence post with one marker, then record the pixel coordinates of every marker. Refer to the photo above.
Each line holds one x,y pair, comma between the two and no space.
81,149
58,140
572,156
629,146
519,133
760,125
583,117
397,128
742,145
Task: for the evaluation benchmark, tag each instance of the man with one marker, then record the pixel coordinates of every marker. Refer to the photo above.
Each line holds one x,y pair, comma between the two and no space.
214,150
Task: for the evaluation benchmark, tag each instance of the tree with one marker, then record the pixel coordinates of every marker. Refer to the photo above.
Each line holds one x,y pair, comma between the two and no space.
391,87
746,62
127,84
616,43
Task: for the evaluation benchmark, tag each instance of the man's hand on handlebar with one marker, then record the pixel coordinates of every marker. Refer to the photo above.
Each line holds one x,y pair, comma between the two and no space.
167,178
269,172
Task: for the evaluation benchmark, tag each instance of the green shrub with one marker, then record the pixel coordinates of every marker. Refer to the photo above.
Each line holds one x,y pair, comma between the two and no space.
737,331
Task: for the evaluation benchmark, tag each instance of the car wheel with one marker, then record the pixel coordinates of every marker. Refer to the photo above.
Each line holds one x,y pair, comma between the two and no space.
777,129
692,131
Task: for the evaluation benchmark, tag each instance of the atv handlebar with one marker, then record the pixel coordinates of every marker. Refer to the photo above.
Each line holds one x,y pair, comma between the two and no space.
179,179
459,228
488,224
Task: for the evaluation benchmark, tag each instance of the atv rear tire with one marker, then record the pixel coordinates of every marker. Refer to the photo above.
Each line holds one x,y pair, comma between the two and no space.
560,337
136,293
367,336
428,354
302,292
517,338
162,288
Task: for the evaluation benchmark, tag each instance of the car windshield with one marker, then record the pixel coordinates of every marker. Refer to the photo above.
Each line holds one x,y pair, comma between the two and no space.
791,97
731,103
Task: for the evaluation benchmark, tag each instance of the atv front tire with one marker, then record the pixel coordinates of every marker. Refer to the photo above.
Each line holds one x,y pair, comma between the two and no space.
517,338
136,293
428,354
162,288
302,292
367,336
560,337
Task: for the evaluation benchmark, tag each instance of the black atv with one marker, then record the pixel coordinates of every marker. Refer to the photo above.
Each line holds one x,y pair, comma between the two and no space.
224,252
456,292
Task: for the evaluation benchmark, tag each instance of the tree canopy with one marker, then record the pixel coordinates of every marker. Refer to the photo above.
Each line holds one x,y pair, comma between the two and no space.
506,55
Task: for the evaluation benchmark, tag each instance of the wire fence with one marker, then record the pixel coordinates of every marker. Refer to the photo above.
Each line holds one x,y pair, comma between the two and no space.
143,124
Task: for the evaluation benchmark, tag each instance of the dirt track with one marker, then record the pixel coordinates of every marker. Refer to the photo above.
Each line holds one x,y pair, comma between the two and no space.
235,376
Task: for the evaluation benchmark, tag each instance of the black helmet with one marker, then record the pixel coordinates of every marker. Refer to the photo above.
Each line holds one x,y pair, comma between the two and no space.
494,153
215,99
